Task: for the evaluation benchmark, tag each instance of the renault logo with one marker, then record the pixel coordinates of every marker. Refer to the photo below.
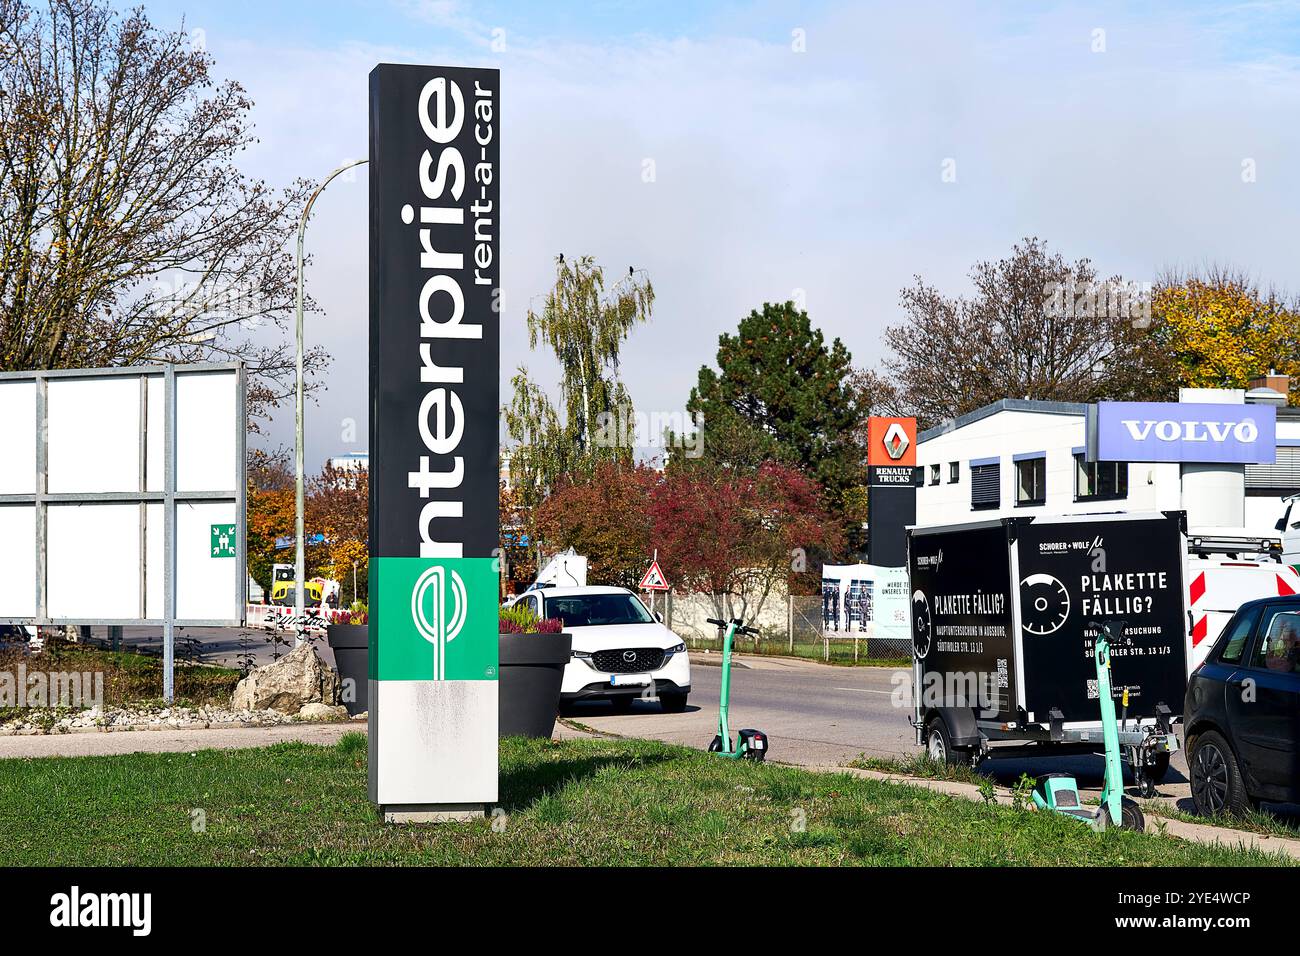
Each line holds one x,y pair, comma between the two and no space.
895,441
442,592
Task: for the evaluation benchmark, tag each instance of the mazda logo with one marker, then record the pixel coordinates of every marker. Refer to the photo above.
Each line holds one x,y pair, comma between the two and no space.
629,656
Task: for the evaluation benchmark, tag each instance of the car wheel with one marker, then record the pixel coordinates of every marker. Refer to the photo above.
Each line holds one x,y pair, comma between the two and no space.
939,748
673,703
1217,787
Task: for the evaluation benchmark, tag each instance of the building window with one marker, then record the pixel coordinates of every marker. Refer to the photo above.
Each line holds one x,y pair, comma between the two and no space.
1031,481
1278,479
985,485
954,472
934,474
1099,479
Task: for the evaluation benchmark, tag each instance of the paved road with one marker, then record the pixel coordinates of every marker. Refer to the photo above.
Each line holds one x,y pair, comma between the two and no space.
209,645
826,716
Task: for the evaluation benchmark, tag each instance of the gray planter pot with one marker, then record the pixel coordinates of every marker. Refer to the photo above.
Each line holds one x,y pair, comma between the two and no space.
351,646
531,672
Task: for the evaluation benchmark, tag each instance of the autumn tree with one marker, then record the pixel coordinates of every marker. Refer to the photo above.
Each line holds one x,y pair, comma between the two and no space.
269,507
518,539
604,516
1221,330
1034,326
338,507
780,394
736,535
584,326
127,232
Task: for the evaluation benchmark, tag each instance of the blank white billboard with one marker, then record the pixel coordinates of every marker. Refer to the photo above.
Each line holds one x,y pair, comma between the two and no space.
108,517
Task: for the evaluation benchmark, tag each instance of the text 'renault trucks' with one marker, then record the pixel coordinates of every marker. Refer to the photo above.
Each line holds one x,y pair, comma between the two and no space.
1003,616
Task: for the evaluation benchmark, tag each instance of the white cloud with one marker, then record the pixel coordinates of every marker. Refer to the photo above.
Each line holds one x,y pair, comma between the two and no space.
819,171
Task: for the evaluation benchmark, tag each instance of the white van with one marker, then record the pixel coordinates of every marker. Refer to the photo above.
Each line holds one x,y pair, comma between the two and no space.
1225,569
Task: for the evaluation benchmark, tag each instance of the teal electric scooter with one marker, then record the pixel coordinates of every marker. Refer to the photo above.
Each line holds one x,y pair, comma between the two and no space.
750,744
1060,792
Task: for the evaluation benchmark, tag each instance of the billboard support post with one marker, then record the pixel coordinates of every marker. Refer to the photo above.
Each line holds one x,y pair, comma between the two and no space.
169,534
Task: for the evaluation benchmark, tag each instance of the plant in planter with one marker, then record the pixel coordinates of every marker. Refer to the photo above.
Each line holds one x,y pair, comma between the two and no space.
350,642
533,654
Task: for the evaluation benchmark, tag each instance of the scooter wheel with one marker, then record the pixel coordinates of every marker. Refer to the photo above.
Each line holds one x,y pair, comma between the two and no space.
715,745
758,756
1130,816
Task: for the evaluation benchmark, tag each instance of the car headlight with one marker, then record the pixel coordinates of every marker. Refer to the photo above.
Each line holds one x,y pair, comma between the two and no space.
581,655
675,649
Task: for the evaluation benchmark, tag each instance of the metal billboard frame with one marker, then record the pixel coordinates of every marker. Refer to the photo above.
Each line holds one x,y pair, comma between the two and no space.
169,497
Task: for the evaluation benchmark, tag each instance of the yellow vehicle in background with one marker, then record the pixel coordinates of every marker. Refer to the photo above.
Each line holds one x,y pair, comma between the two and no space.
285,593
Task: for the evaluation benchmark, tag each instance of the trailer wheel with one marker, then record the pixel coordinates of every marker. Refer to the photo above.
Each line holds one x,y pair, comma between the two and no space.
1146,778
939,747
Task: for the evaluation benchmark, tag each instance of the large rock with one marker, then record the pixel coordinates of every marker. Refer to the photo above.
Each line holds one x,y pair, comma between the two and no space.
296,679
322,712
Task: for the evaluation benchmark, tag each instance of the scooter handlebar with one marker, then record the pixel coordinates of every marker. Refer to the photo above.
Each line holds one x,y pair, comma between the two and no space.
740,629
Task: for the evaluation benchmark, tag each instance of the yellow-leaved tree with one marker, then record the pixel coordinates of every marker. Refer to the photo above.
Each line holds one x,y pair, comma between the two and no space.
1220,331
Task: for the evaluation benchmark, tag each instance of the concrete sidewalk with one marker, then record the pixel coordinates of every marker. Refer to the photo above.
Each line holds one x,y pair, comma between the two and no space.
171,740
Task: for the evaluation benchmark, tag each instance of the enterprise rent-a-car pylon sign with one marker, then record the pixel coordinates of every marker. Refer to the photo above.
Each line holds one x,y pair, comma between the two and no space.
434,343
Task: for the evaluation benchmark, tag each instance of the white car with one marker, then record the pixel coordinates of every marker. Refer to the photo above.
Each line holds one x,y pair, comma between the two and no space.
621,652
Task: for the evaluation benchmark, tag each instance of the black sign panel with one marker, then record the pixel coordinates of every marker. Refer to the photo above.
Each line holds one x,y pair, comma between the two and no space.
434,331
891,507
962,619
1072,573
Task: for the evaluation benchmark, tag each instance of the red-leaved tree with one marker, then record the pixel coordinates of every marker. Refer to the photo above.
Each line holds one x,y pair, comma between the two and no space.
604,515
735,535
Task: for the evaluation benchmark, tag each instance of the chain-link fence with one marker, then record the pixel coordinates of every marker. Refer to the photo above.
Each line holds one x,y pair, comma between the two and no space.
790,626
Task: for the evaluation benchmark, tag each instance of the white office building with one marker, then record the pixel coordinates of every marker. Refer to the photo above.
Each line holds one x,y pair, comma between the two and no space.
1024,457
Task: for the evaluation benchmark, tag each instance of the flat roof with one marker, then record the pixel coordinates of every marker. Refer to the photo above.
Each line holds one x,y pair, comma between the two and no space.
1006,405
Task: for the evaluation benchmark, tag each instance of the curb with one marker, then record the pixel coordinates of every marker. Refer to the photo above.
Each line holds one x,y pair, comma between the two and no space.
1192,832
144,728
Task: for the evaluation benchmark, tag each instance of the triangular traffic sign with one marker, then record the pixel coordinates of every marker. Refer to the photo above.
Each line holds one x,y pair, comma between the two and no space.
654,579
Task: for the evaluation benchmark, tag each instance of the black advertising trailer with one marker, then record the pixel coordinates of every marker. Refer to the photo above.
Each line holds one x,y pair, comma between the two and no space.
1003,644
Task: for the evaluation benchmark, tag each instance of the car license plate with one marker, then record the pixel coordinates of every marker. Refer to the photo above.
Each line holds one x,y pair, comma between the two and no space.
623,680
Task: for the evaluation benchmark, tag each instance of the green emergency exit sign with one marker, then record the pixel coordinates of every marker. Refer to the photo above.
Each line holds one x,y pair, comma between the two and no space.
223,541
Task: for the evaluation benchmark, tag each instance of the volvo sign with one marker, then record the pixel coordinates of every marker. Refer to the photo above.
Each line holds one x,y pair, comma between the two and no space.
1182,432
434,344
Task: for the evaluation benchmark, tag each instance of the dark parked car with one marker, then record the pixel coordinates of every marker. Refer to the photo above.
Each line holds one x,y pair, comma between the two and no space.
1242,712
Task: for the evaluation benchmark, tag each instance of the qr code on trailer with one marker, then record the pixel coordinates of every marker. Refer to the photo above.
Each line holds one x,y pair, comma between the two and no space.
1002,673
1093,692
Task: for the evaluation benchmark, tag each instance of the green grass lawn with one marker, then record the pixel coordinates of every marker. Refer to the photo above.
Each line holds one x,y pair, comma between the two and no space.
573,803
841,652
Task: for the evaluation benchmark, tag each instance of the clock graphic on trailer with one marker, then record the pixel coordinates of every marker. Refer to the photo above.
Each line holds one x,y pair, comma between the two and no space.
1044,604
921,624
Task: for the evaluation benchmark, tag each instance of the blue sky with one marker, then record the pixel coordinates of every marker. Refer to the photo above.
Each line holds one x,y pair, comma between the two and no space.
798,149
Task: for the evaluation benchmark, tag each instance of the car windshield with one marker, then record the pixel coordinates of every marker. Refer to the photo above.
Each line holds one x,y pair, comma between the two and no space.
596,610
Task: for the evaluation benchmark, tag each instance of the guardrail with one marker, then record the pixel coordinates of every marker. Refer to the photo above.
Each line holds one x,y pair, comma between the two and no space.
275,617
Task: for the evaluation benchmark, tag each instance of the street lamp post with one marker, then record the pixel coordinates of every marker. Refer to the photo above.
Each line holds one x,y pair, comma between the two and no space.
300,554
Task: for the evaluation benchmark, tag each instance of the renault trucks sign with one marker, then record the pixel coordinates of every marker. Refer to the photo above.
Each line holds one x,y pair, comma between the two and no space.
1182,432
434,343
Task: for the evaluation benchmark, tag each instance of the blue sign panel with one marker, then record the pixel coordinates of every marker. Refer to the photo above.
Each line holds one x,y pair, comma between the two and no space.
1168,431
